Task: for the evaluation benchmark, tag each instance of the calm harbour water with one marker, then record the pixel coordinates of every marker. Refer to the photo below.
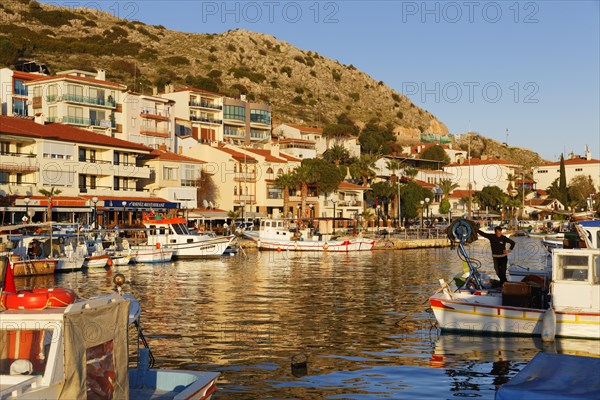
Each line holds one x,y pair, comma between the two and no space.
361,321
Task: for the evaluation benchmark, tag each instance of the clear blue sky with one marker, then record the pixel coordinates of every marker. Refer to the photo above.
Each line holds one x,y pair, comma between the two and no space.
451,58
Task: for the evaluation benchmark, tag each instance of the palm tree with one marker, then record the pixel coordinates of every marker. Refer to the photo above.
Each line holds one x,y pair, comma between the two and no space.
410,173
363,168
305,175
368,215
285,182
510,179
49,194
447,186
394,165
337,154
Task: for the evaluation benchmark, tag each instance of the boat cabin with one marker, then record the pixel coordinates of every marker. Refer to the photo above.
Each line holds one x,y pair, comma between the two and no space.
286,229
576,279
590,232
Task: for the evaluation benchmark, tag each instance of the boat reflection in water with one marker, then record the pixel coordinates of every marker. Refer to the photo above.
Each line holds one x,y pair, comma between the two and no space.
475,362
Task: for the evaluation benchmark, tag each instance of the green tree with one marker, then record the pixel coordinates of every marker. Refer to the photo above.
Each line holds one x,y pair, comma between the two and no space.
510,178
444,206
492,197
411,195
339,130
49,194
305,175
375,139
438,156
410,173
285,182
325,175
581,187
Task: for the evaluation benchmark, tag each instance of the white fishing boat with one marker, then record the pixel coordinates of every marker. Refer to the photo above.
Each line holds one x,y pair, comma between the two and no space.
274,235
151,254
174,234
121,259
30,255
97,256
552,243
75,349
526,308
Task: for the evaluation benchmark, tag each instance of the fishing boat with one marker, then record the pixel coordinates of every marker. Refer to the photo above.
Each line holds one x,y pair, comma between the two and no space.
121,259
152,254
97,257
546,235
552,243
527,307
274,235
30,255
174,234
56,346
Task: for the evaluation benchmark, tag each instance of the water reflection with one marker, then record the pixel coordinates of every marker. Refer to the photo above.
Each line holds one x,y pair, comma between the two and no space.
361,320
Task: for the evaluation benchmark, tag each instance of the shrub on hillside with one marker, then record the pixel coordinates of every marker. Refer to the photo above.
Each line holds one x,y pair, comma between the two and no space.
177,61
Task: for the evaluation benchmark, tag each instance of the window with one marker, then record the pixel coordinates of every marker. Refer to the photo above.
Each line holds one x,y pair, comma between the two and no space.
169,173
81,155
82,183
4,177
116,158
20,88
578,169
188,175
260,116
19,178
116,183
92,156
20,107
234,112
4,148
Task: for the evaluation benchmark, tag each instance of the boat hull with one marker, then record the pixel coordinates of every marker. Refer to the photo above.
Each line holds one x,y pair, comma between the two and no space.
34,267
152,256
96,261
318,246
201,249
470,316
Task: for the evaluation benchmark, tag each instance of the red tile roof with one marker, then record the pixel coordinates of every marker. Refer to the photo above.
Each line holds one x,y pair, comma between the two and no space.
289,157
28,128
425,146
423,183
291,140
479,161
460,193
306,129
237,155
348,185
26,75
80,79
268,156
574,161
170,156
541,192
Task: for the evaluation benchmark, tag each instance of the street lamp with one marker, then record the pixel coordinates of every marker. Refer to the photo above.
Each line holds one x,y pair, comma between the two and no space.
311,206
124,205
334,201
243,205
26,200
421,202
95,201
427,199
298,216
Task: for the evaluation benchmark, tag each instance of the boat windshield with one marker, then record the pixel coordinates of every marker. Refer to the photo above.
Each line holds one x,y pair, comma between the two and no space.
24,351
180,229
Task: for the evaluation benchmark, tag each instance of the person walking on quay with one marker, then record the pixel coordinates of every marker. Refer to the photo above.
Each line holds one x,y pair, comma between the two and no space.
499,252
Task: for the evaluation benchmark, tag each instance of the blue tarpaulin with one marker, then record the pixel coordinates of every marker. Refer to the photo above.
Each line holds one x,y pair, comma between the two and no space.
555,376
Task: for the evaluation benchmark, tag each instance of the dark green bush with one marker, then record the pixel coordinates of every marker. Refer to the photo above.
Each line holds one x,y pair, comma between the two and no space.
245,72
286,70
177,60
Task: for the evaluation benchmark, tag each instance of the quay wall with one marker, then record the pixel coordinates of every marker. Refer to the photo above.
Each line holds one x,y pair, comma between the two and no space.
403,244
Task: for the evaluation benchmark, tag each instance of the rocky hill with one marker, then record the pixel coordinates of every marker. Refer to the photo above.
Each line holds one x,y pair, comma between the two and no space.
488,147
303,86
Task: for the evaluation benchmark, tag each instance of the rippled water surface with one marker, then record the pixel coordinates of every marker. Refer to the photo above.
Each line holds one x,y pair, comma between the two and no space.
361,321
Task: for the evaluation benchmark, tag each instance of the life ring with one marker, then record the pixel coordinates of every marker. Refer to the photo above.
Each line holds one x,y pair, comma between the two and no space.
38,299
325,246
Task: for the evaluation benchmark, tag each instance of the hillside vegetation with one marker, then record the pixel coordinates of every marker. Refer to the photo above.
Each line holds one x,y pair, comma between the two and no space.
482,146
303,86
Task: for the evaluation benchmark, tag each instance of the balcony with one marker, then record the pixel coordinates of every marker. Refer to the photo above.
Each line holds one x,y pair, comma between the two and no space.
96,101
234,134
159,115
18,162
247,198
205,104
244,177
260,136
101,123
309,199
154,131
207,120
15,182
349,203
132,171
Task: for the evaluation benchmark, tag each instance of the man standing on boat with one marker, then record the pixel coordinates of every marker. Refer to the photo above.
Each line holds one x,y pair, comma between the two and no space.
499,253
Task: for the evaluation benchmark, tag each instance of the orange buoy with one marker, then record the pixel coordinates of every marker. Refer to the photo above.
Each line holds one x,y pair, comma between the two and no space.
109,262
158,245
38,298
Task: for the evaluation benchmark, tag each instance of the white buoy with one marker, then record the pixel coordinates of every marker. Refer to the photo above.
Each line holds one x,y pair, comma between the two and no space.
549,325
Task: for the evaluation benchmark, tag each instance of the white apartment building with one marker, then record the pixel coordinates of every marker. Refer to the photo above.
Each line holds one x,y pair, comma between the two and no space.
80,99
481,172
544,175
14,94
322,142
148,120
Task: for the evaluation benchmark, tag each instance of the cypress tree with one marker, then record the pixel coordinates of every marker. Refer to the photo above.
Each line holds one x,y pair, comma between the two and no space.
562,183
